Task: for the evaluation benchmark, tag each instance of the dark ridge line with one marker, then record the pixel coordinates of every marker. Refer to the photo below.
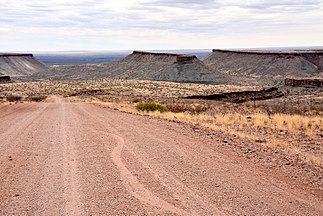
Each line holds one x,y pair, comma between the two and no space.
270,52
15,54
295,82
241,96
162,54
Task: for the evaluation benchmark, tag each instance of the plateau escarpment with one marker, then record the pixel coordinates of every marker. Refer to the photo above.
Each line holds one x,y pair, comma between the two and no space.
143,66
242,96
265,67
167,67
17,65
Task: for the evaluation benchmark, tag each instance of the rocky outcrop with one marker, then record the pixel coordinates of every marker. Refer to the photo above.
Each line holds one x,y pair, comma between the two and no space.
259,67
304,82
136,52
186,58
242,96
179,58
16,65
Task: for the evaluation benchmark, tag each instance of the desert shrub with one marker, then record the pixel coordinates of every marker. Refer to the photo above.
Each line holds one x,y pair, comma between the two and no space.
187,107
151,106
37,98
14,98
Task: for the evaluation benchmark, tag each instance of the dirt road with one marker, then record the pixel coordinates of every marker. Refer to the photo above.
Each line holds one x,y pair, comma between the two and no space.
61,158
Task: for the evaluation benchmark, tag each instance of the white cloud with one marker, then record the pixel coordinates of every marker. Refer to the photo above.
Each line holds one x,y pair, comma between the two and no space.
158,24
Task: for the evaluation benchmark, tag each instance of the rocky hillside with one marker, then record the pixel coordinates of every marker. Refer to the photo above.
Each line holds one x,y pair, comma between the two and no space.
16,65
143,66
265,67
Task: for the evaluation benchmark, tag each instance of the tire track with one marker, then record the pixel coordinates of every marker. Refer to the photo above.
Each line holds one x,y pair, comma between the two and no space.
10,109
166,179
71,184
22,124
132,184
136,188
170,181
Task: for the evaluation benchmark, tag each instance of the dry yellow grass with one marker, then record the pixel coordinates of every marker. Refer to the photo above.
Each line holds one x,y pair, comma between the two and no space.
237,123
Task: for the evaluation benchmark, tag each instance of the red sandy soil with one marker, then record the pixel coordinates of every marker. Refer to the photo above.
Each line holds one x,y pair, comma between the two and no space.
61,158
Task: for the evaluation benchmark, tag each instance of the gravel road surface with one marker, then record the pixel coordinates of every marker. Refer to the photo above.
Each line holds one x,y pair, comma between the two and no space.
62,158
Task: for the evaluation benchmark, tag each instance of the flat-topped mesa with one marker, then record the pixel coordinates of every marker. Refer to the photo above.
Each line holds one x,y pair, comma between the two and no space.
265,67
313,56
18,65
16,54
154,54
179,57
271,52
141,65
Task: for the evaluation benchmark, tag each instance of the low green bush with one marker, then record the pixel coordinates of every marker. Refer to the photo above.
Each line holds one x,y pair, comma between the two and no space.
151,106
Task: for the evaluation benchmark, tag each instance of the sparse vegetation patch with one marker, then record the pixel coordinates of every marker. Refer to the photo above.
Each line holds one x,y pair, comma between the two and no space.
151,107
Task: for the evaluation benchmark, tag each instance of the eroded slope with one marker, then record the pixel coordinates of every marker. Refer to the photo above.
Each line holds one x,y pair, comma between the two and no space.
16,65
265,67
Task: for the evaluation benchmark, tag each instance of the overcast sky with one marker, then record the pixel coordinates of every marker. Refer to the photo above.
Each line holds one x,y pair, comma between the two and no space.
45,25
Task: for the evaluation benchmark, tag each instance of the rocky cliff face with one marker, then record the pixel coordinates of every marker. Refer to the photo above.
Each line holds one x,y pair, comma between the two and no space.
16,65
265,67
